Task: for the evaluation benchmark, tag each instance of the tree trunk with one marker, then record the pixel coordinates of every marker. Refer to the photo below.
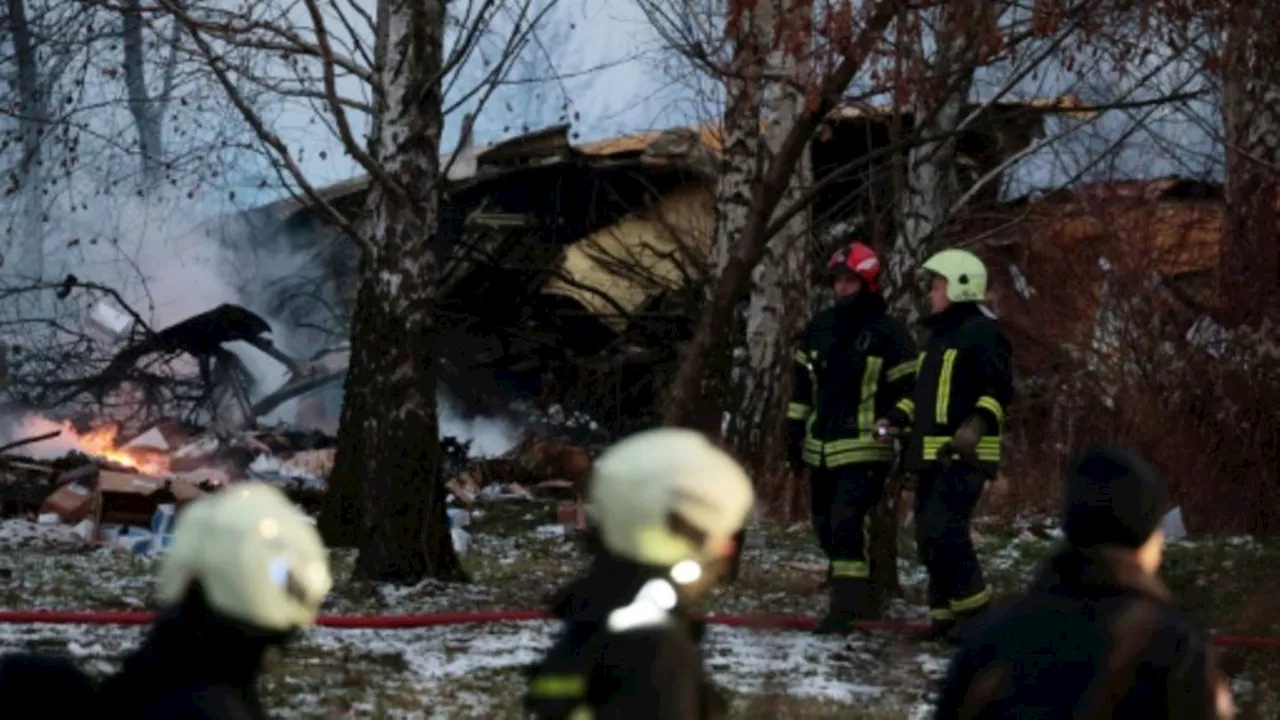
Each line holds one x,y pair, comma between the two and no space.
774,312
932,185
147,115
698,399
27,255
1250,258
388,447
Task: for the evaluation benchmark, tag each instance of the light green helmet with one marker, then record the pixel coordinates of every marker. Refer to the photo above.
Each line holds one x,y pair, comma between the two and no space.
965,273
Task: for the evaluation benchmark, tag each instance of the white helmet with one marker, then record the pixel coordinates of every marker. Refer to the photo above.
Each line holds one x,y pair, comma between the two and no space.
257,557
640,483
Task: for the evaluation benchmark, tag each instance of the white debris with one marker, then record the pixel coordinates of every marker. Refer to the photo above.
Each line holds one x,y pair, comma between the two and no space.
1174,529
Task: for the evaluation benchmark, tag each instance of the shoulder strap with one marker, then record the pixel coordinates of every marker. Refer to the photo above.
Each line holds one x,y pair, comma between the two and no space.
1131,631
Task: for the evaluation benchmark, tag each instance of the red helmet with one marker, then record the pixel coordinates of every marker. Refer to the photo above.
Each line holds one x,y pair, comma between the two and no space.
857,260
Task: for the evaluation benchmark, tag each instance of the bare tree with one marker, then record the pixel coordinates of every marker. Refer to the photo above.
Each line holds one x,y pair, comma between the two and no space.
147,108
26,179
384,494
1250,265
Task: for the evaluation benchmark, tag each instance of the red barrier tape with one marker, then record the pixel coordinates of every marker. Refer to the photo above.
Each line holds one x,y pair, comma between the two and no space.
400,622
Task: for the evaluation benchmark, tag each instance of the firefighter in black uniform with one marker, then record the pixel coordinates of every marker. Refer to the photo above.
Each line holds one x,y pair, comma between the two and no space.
245,573
1095,636
852,365
663,508
964,384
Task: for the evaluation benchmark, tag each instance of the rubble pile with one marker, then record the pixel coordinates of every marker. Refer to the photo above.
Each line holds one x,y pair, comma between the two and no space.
533,467
127,492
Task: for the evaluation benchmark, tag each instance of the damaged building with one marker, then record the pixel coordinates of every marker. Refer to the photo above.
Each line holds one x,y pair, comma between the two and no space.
568,269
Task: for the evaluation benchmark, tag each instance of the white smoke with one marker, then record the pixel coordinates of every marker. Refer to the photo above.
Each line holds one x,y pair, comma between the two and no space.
168,261
489,437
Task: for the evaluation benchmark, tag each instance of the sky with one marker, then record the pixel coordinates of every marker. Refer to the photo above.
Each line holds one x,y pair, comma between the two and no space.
632,90
605,50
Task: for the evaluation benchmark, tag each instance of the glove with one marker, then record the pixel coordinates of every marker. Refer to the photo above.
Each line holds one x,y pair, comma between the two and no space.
964,444
885,432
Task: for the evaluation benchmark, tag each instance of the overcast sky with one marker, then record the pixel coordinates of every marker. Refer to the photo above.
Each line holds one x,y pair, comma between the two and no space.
629,91
605,51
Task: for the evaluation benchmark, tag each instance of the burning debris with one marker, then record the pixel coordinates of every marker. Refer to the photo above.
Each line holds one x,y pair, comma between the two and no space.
124,490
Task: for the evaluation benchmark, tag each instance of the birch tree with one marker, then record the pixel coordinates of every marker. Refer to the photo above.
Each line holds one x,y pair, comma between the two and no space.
384,494
27,253
1250,262
787,64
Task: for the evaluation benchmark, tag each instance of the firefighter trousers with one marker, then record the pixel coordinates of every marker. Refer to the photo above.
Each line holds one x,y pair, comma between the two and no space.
842,498
945,500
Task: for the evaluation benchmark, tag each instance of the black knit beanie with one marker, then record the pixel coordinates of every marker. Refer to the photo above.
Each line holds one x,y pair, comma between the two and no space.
1114,497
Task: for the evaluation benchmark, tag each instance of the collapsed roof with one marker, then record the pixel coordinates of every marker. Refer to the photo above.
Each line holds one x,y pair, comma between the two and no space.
564,262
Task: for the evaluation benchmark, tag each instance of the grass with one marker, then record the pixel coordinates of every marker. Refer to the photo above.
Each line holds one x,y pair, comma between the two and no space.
515,560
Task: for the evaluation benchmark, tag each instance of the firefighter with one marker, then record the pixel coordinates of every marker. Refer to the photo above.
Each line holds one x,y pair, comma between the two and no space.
1095,636
246,571
963,386
853,363
663,508
56,685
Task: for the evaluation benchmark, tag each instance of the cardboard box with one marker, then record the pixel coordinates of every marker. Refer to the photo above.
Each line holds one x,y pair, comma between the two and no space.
108,497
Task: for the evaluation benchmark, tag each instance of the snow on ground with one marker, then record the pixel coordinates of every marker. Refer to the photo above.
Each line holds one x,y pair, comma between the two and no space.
516,559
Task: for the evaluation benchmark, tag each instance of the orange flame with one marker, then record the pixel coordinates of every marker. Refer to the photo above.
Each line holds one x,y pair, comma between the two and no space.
101,443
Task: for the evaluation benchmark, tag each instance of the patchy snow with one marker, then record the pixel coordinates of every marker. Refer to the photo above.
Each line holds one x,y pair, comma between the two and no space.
517,556
20,534
742,661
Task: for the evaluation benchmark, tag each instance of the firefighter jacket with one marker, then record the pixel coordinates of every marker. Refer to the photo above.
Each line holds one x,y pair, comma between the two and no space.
965,369
1094,637
194,663
620,656
57,686
852,365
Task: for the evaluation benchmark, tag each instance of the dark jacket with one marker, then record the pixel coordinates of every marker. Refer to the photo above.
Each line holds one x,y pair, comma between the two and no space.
51,686
193,664
646,669
853,363
1093,625
965,370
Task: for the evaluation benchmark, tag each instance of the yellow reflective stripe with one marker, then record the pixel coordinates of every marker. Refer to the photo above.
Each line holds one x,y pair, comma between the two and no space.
944,386
990,404
908,406
851,444
582,712
797,411
901,370
973,602
941,614
867,408
558,686
812,457
802,357
865,455
850,569
988,449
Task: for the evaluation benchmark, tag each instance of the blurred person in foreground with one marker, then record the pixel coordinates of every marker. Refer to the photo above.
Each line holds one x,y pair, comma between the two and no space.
663,508
246,572
1096,635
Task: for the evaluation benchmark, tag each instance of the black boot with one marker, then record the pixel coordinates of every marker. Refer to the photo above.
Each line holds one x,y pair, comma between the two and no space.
852,600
